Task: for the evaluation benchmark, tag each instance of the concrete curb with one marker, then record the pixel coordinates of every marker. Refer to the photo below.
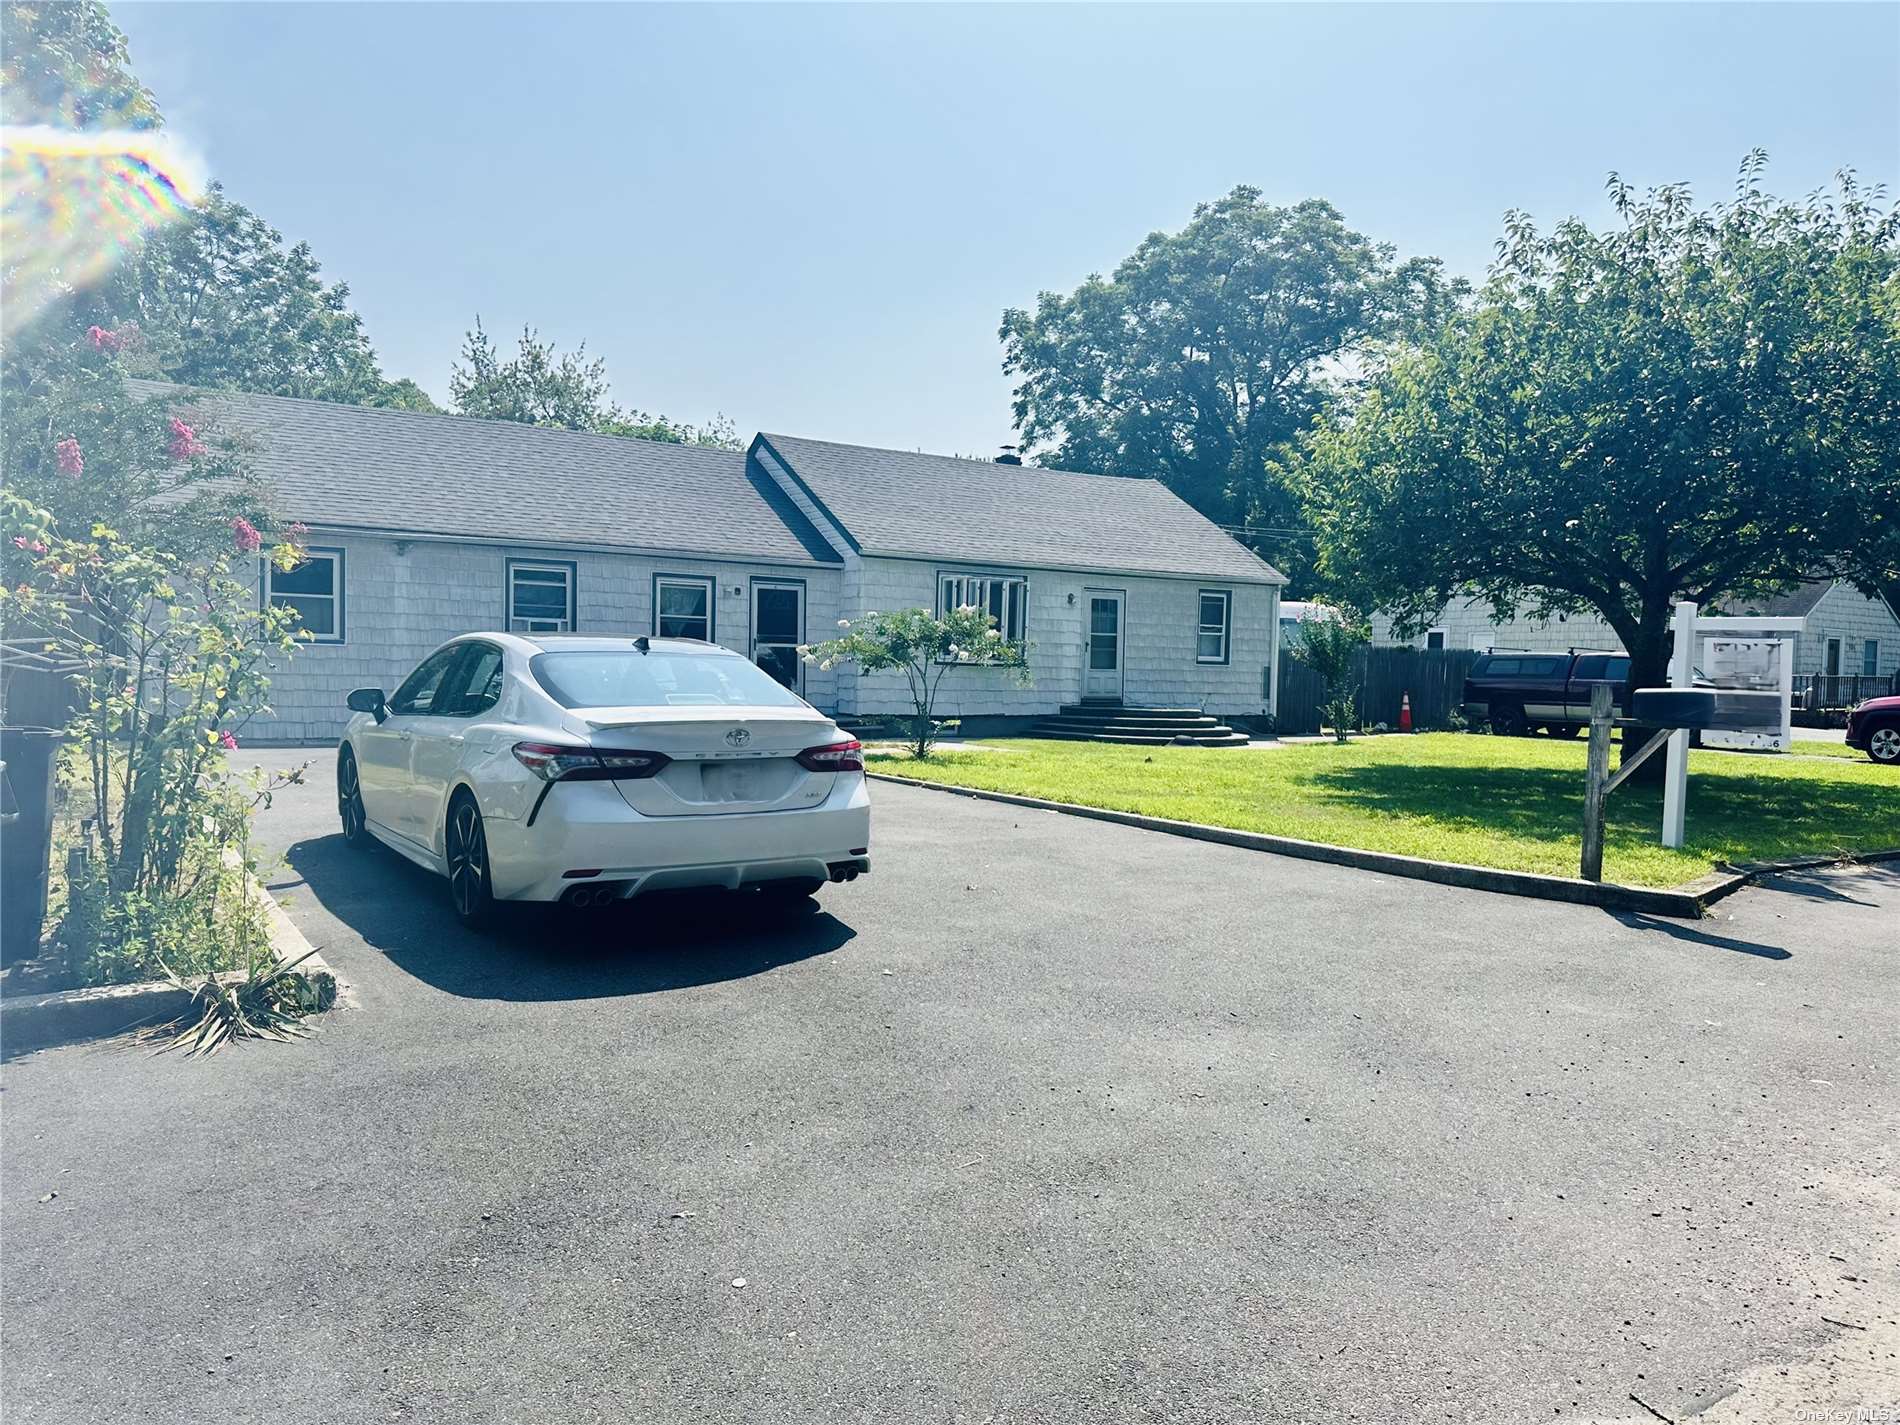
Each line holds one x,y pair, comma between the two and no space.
29,1022
1689,901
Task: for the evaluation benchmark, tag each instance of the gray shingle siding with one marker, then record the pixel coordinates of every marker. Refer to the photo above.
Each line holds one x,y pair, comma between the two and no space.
1160,620
404,597
1845,613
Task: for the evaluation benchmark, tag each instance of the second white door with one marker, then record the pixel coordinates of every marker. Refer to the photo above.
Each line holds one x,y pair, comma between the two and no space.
778,627
1102,670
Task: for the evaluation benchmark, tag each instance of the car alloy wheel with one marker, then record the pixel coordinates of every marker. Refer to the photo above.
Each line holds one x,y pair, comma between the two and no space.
1883,744
467,848
349,799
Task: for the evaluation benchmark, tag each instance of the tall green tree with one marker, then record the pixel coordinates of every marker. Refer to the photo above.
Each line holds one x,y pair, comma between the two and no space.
1695,402
539,386
222,301
64,63
215,300
1209,349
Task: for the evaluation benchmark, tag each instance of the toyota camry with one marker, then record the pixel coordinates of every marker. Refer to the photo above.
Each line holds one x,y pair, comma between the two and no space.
590,770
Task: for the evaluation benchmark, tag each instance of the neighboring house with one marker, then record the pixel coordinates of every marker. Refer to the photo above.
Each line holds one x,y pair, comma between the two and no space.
423,526
1467,623
1845,634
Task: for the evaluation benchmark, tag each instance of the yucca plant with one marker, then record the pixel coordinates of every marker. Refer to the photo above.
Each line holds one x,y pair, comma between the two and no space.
270,1002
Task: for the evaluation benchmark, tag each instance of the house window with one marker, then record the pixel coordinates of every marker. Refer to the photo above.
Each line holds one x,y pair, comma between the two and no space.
682,607
540,597
1434,638
313,591
1870,657
1004,598
1217,608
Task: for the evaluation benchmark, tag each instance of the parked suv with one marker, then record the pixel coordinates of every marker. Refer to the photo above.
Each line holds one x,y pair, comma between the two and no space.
1874,727
1519,692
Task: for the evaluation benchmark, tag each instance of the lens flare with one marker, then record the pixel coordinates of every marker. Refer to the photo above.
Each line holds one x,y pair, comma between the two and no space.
72,204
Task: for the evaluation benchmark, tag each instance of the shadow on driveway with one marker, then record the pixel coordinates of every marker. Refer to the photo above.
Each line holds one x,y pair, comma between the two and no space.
1813,886
1679,930
536,952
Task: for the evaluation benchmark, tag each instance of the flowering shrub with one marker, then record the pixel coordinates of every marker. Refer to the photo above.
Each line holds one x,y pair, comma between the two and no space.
128,556
924,648
184,444
168,656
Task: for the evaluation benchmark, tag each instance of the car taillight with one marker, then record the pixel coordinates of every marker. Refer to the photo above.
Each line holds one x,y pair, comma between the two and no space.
834,757
553,763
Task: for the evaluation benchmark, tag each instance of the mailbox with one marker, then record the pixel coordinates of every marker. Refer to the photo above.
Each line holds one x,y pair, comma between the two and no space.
1724,709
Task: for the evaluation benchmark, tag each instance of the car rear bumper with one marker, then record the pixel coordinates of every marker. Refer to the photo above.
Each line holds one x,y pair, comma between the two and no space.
587,826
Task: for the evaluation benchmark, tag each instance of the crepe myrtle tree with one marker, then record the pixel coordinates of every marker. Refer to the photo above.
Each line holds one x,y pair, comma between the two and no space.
925,647
1328,642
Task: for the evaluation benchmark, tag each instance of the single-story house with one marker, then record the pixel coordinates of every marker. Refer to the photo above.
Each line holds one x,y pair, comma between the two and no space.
1845,636
423,526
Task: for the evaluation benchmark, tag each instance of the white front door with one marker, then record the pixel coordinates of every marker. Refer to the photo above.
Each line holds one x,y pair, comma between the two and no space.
1102,668
778,627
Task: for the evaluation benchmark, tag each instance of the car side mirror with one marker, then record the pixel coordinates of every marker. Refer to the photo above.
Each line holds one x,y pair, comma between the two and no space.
369,700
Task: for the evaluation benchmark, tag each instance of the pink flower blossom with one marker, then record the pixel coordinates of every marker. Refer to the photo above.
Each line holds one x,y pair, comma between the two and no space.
68,456
103,340
227,742
245,534
185,444
32,546
297,532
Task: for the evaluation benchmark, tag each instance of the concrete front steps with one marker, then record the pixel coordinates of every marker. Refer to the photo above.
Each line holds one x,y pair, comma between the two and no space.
1139,727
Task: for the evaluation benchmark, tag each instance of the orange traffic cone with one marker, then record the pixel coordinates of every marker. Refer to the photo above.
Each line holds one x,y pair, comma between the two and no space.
1405,712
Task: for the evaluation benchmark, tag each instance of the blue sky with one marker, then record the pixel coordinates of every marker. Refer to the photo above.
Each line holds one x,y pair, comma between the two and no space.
811,218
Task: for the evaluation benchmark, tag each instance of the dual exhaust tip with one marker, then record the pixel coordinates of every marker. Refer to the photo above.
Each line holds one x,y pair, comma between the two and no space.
595,896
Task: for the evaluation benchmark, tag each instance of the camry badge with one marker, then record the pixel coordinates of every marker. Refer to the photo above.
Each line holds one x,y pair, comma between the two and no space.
738,737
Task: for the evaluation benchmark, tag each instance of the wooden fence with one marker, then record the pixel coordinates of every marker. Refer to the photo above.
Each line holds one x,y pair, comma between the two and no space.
1435,677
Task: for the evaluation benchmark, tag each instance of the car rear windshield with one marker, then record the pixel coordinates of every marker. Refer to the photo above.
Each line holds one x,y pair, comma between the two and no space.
611,678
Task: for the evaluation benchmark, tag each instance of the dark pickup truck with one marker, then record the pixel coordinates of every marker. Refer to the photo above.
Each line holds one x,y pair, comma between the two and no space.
1519,692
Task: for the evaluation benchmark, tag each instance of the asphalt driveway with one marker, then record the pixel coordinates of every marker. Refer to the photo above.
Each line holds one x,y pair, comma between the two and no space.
1047,1120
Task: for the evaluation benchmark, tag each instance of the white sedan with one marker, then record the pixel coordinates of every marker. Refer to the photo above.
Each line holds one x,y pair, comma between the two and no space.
589,770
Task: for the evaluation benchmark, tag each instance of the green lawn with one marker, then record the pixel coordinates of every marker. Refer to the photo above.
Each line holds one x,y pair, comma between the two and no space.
1815,747
1515,803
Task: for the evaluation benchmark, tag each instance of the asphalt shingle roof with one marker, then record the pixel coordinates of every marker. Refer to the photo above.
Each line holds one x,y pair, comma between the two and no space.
976,511
1797,602
359,467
